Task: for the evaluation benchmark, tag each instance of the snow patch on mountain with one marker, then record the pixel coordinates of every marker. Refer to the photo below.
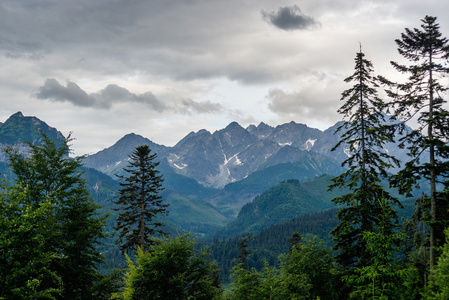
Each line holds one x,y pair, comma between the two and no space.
309,144
285,144
182,166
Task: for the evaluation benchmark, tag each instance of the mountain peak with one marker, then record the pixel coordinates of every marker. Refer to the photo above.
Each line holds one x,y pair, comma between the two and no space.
15,116
233,125
134,139
130,135
19,129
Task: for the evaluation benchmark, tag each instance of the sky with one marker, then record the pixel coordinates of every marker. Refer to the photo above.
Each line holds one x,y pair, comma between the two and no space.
164,68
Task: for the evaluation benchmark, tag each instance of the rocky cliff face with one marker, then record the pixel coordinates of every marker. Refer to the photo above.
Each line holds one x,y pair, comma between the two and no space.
232,153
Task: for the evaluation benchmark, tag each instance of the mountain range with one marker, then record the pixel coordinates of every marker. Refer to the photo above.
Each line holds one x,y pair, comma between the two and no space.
210,177
233,153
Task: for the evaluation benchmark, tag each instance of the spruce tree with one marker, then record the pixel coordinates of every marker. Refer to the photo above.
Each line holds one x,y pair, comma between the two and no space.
420,99
364,135
48,176
381,279
140,202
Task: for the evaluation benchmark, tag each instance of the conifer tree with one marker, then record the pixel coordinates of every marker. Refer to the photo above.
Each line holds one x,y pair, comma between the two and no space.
441,282
25,259
364,135
172,269
381,279
420,99
140,201
48,176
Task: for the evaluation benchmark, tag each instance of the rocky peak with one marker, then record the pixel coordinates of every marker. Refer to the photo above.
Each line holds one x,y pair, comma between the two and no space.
15,116
262,131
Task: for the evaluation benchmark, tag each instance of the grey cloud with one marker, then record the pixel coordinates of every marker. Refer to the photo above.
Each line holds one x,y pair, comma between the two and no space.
304,105
53,90
71,93
112,37
290,18
188,106
115,94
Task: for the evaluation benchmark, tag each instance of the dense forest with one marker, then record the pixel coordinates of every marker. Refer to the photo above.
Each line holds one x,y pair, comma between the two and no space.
60,240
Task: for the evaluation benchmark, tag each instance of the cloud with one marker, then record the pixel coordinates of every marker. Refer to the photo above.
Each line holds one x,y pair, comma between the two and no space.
316,104
70,93
188,106
113,93
104,99
290,18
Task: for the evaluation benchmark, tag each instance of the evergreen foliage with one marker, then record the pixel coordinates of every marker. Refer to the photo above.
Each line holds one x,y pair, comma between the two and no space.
308,271
51,183
365,136
140,201
420,99
281,203
381,278
441,275
172,269
25,256
271,242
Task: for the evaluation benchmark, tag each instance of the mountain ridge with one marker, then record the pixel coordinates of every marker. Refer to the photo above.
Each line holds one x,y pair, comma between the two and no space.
233,153
208,176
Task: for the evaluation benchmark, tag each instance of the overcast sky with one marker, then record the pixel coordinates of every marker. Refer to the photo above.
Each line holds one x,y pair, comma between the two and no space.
163,68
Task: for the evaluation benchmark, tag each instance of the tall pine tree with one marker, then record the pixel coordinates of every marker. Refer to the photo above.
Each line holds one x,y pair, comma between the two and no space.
364,135
420,99
140,201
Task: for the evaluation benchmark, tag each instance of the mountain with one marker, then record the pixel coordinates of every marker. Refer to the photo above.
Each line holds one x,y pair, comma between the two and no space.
234,195
225,156
18,129
213,174
113,159
281,203
232,153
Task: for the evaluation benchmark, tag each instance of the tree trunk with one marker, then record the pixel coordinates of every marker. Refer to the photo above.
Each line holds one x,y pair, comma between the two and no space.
432,171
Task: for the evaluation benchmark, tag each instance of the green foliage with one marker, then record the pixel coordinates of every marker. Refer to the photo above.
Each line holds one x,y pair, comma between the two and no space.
420,99
365,136
381,278
271,242
172,269
246,284
25,260
280,204
140,201
308,271
193,215
49,180
440,285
